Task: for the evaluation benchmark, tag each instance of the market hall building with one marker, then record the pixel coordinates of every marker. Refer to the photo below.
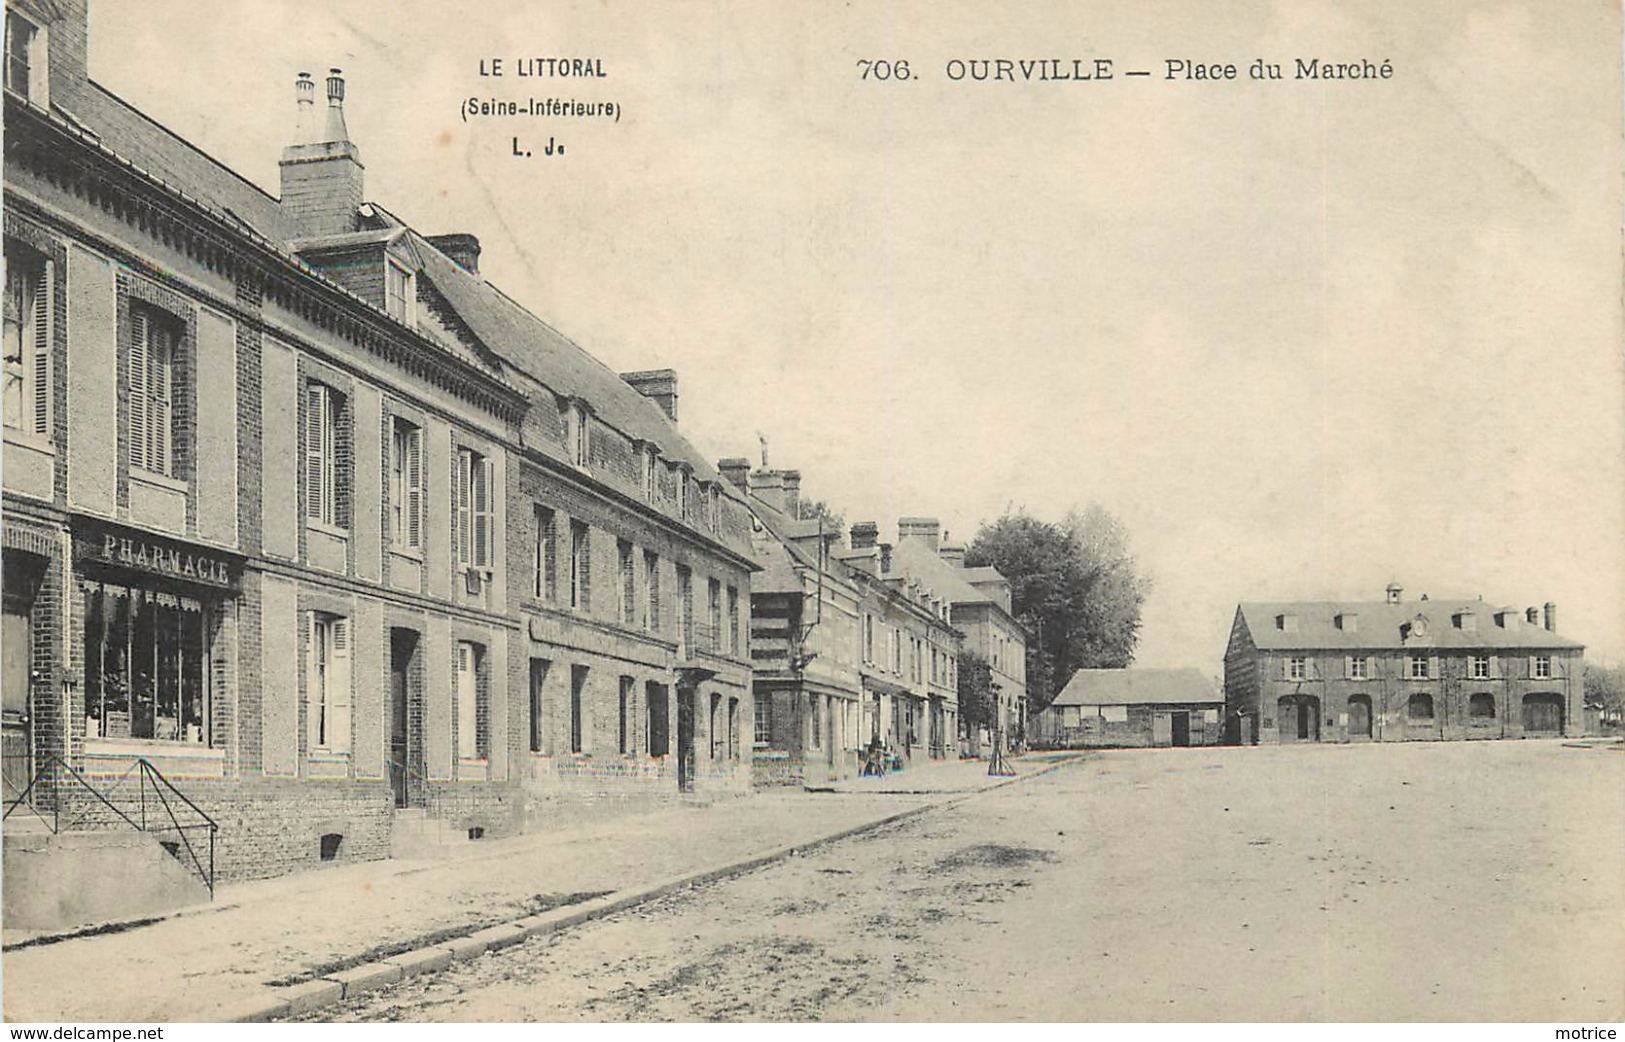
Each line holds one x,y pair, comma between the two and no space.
272,475
1397,670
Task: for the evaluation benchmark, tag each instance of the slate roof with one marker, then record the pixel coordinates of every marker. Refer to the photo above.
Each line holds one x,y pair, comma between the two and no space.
914,559
1382,625
1118,687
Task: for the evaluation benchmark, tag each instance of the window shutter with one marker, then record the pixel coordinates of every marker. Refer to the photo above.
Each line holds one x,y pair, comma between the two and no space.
461,528
315,439
40,360
138,389
1531,673
1286,667
338,688
414,488
160,355
1348,666
1433,668
1495,667
313,675
485,515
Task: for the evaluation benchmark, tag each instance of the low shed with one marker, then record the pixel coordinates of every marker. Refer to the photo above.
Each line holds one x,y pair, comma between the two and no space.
1132,708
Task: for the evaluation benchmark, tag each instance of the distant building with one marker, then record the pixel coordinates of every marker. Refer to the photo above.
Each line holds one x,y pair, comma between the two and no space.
1397,670
1131,708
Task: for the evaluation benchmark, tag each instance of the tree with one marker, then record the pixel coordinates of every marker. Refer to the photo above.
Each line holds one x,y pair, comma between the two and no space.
1605,691
1075,586
976,699
813,509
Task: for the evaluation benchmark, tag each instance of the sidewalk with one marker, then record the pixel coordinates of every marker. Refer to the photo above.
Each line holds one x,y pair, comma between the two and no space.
219,961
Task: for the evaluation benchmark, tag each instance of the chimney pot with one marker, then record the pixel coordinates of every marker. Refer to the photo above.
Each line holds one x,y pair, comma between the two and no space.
792,493
321,170
1551,617
768,486
1531,615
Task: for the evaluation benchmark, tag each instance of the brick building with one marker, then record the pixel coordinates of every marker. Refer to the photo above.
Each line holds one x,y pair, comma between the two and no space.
1131,708
1398,670
303,513
979,607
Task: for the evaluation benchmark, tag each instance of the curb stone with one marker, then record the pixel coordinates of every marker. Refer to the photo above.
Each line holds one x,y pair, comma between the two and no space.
312,995
255,1009
369,976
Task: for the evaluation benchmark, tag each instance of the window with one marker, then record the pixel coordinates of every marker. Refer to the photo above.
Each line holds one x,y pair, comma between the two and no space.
327,694
544,554
474,513
763,736
27,71
538,686
651,586
1478,668
153,339
628,587
816,703
733,620
146,654
398,296
470,666
1481,706
714,729
406,485
713,602
580,567
27,403
649,472
896,643
685,609
578,690
578,434
624,730
1541,667
1418,667
1297,667
1420,706
733,728
869,638
1359,667
715,495
659,726
682,493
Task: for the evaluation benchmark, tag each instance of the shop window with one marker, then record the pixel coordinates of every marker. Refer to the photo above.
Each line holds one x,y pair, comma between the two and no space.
146,655
406,485
470,675
473,511
27,401
154,338
1420,707
328,690
1481,706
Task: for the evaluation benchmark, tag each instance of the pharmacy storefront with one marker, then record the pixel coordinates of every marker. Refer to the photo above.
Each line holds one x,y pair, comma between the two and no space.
155,624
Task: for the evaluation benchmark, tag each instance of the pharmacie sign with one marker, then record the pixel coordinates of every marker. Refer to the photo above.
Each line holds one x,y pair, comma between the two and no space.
162,557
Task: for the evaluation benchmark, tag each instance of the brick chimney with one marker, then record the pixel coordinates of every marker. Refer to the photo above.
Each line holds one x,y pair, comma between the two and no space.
792,493
953,554
864,535
322,176
461,247
1551,616
658,384
736,470
927,530
768,486
885,558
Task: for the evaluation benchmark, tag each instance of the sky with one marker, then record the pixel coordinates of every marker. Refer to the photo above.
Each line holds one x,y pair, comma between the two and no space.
1302,337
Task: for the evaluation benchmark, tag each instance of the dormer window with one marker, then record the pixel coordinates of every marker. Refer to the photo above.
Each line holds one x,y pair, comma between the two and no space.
398,295
650,456
682,492
1348,622
715,495
1286,622
578,434
27,71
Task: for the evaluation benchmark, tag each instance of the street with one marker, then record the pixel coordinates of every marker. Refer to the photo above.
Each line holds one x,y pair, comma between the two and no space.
1432,881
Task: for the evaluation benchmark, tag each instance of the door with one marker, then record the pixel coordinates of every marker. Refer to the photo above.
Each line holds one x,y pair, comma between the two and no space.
1297,719
1182,729
1359,718
401,644
1543,713
15,746
1162,731
685,740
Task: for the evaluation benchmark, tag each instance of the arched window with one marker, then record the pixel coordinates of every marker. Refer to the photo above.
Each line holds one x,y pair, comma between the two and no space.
1420,707
1481,706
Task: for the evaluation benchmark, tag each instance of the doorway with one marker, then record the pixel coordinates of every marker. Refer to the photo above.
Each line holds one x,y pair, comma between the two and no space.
1359,718
1181,729
1297,719
403,645
1543,713
16,740
685,739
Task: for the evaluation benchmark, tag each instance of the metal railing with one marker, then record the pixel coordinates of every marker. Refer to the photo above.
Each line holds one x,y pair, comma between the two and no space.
431,791
168,803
